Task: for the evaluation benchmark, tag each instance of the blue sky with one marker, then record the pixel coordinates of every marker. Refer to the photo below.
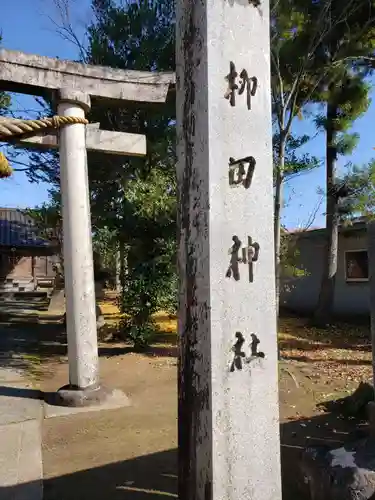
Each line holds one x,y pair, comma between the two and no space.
301,197
27,26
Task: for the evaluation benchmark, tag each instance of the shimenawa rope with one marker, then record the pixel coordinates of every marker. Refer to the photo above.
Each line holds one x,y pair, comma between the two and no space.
15,128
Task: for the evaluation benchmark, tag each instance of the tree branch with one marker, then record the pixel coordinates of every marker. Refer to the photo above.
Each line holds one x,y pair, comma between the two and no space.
314,213
65,29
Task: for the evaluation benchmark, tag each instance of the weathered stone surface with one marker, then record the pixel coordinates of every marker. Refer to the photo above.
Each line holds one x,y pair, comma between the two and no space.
371,267
96,398
78,254
29,73
371,417
66,94
105,141
114,399
346,473
100,321
228,394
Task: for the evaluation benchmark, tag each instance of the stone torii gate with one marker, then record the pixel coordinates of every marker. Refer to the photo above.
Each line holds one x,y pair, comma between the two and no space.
73,87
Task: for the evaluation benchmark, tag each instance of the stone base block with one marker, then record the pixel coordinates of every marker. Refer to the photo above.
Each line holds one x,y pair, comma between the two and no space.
371,417
346,473
110,400
77,398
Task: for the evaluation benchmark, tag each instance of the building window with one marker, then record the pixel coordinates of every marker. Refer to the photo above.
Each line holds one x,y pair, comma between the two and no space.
356,265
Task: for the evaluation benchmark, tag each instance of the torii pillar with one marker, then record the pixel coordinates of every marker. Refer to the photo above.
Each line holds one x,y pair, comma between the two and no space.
78,255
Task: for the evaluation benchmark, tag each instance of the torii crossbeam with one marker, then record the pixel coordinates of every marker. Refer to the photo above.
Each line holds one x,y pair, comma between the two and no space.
104,141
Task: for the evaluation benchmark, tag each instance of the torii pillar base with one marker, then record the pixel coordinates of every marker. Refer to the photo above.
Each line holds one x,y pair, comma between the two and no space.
75,397
69,400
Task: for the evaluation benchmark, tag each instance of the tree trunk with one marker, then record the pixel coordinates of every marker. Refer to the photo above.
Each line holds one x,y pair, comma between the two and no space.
279,188
118,272
323,312
123,271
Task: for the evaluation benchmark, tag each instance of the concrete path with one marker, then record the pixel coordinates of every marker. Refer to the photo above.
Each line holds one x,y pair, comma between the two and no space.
22,410
21,470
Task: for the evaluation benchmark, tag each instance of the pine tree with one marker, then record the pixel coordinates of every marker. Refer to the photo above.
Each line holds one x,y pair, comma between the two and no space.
310,41
347,99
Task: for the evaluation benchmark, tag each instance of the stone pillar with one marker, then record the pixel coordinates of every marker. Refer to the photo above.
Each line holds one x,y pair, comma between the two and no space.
371,267
78,255
228,390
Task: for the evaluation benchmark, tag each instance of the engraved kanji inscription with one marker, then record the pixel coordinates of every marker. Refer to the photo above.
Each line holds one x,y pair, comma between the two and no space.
254,349
230,94
246,85
235,259
250,255
240,254
239,354
241,171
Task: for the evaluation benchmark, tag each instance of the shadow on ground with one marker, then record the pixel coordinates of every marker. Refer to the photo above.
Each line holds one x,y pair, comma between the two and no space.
151,476
17,392
328,430
142,478
27,340
340,335
155,476
348,362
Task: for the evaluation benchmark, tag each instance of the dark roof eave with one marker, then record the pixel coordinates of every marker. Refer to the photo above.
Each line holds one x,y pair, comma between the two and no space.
36,247
315,233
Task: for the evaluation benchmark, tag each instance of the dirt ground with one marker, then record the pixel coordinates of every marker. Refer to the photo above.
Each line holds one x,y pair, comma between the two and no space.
130,453
116,453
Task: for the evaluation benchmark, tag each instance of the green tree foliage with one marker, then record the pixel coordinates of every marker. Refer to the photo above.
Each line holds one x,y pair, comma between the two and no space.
294,36
295,164
4,103
105,247
139,195
358,189
288,253
151,280
310,40
48,220
133,199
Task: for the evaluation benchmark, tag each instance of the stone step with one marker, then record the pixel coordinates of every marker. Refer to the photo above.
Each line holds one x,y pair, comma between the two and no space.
15,306
17,286
23,296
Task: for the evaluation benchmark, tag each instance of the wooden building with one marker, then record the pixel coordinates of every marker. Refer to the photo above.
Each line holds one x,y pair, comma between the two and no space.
27,260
